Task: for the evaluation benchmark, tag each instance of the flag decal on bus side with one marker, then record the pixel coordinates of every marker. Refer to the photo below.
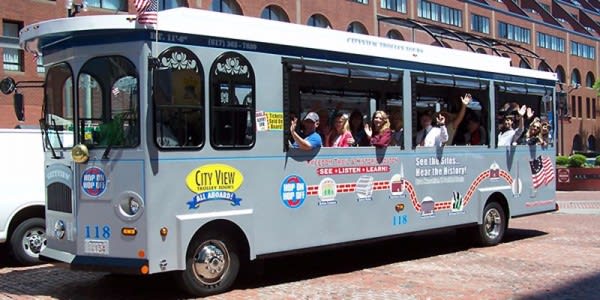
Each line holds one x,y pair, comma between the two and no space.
542,171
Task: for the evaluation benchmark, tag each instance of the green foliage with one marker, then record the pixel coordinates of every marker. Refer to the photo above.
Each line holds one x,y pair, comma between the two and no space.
597,161
562,161
577,160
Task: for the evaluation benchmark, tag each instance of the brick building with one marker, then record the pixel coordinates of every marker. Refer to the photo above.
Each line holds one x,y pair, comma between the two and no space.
561,36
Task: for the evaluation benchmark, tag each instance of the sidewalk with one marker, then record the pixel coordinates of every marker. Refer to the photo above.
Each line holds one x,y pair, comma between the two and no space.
578,202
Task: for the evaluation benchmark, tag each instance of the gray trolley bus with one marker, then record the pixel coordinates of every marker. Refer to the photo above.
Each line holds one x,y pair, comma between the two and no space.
168,146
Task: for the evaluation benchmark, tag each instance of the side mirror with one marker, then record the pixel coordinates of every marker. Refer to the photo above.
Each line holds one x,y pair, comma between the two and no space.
19,104
7,85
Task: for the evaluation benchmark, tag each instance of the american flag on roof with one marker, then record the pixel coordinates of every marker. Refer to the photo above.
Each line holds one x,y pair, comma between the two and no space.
542,171
147,11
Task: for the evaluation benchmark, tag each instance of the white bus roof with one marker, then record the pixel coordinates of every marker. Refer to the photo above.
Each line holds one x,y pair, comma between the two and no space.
203,22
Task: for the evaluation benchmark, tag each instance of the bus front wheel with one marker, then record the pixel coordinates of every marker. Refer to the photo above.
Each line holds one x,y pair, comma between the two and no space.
212,264
493,225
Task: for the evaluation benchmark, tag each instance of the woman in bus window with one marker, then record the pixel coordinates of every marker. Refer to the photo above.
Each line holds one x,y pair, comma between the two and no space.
357,128
340,135
381,134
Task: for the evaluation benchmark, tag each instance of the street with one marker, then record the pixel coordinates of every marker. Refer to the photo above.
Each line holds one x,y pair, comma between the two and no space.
549,256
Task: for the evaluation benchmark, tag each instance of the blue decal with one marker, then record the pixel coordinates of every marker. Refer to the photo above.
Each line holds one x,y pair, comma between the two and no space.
400,220
213,196
293,191
97,232
93,182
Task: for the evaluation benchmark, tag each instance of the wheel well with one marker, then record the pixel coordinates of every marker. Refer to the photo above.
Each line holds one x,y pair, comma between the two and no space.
36,211
229,228
500,199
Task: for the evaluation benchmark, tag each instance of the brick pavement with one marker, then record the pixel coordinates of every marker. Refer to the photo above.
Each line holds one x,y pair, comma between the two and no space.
550,256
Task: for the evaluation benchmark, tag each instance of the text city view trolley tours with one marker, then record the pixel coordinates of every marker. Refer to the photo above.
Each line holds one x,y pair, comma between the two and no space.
168,147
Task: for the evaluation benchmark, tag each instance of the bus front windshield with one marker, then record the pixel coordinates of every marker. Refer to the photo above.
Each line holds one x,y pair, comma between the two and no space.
108,114
58,107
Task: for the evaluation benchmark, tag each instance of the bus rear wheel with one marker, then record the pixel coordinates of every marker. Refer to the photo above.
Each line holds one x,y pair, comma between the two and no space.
212,265
493,225
28,240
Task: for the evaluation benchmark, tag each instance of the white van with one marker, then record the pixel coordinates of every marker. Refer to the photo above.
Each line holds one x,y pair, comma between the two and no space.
22,194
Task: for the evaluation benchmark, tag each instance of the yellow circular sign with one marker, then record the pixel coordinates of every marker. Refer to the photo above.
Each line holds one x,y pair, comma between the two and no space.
214,177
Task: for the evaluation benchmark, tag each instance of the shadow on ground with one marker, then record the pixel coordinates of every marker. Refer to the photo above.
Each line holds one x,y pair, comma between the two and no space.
65,284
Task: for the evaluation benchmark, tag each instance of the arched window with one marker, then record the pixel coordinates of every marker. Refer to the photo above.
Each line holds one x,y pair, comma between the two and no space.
109,4
481,50
318,20
168,4
179,107
274,12
232,105
577,143
543,66
394,35
524,64
560,73
443,44
591,143
226,6
589,80
507,56
575,77
357,27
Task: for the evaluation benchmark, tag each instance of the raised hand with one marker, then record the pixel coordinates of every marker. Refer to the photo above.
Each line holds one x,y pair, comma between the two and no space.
293,124
522,110
530,113
368,130
441,120
466,99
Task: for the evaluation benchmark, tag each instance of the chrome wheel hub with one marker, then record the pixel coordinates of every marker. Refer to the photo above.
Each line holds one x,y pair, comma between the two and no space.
211,262
493,223
34,241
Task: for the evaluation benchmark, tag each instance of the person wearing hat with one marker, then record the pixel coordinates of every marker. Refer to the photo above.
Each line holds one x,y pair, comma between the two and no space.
312,139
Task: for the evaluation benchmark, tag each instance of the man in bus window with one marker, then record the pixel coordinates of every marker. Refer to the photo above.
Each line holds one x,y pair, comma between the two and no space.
431,136
312,139
509,136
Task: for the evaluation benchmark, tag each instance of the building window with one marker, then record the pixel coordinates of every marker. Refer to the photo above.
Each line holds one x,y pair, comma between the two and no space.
513,32
394,35
560,74
545,6
40,64
583,50
579,107
318,20
574,106
575,77
357,27
550,42
275,13
594,108
588,107
395,5
440,13
361,1
589,80
480,24
120,5
168,4
226,6
13,55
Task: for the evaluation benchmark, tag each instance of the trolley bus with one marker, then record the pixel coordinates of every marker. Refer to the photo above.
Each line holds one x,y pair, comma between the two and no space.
168,146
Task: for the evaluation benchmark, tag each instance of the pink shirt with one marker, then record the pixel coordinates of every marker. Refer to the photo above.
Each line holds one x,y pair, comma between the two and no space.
340,140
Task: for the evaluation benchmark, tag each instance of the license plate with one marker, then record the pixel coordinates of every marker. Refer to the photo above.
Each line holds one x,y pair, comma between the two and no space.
96,247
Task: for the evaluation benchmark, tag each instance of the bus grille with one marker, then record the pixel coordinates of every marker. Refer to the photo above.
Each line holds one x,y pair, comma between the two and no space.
59,198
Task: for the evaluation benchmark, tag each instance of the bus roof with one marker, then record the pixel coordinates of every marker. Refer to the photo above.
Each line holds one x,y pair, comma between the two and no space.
221,25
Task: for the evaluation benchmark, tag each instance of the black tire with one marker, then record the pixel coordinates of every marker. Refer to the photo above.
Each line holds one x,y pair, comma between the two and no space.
28,239
222,253
493,225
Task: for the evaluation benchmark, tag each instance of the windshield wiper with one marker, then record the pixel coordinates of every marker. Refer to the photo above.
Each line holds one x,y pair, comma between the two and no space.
44,127
57,136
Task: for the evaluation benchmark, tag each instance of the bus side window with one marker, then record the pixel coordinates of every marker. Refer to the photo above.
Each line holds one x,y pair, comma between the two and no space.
178,95
232,105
